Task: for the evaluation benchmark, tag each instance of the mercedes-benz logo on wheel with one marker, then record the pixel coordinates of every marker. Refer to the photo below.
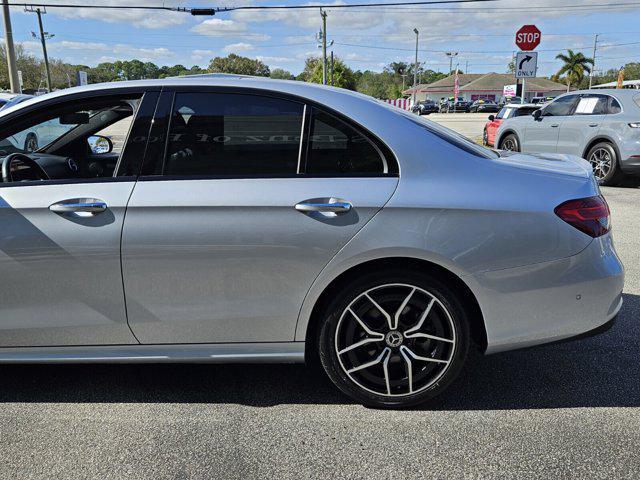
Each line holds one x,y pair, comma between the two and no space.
394,338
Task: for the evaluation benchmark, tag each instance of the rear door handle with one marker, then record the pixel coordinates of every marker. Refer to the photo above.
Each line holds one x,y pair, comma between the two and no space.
331,205
593,124
554,125
79,205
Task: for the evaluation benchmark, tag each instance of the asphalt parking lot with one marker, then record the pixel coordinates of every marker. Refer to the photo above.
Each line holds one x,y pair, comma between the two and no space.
470,125
569,410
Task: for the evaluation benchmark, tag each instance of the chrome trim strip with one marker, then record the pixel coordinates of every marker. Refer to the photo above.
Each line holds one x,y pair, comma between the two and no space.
281,352
304,122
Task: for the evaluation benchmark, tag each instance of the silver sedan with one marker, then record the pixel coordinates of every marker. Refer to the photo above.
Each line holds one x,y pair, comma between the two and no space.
251,220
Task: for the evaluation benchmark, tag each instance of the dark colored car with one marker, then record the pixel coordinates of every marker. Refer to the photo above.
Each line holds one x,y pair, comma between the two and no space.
425,108
484,106
458,105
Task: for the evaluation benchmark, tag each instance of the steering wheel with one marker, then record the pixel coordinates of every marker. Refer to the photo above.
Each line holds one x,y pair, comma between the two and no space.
33,166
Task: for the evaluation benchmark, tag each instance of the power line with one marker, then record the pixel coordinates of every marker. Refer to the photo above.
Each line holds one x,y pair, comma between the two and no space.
214,10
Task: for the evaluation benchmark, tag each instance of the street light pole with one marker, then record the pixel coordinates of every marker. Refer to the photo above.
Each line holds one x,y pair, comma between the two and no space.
415,68
14,81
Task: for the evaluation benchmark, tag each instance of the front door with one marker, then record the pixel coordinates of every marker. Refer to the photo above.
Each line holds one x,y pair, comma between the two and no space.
60,274
541,134
222,242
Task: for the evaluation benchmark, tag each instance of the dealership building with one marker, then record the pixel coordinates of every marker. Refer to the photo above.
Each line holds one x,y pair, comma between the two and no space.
488,86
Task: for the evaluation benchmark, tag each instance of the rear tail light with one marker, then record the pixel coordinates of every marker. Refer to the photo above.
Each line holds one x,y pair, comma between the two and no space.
589,215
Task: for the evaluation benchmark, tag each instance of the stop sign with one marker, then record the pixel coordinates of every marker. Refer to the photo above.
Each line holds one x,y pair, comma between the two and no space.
528,37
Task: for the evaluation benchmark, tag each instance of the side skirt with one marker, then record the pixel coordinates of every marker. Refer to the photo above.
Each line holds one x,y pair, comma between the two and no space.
282,352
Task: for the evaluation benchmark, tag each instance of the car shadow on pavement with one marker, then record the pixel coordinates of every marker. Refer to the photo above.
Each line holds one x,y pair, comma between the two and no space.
602,371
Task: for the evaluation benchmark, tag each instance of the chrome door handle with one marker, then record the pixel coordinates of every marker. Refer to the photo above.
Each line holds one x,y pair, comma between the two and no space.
593,124
79,205
555,125
337,206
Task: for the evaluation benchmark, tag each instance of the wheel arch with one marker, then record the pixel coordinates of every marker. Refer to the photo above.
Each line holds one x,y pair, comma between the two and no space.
601,139
467,297
498,139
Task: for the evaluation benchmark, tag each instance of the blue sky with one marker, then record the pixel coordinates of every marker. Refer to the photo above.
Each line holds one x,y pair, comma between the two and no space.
364,38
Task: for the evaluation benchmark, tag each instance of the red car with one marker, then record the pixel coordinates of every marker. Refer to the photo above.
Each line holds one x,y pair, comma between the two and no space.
508,111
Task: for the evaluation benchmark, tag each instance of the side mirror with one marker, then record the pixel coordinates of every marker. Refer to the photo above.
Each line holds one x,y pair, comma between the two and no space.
537,115
100,145
492,118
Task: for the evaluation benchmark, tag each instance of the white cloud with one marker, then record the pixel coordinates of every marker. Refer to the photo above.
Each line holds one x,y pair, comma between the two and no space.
139,18
199,55
238,47
217,27
270,59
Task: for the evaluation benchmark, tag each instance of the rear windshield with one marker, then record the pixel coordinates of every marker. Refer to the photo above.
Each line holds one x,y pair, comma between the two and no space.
454,138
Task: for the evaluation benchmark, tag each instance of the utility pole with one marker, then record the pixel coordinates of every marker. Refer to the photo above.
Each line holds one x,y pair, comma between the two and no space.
466,68
43,39
415,68
593,67
323,14
11,53
451,55
332,68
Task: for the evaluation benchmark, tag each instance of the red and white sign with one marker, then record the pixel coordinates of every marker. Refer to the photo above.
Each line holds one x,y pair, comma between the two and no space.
456,87
528,37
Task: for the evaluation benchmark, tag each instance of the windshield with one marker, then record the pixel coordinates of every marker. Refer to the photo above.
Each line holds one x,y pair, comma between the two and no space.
36,136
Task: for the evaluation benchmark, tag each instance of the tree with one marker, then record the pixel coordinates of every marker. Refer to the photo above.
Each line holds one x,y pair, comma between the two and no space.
574,68
239,65
282,74
511,66
32,69
343,76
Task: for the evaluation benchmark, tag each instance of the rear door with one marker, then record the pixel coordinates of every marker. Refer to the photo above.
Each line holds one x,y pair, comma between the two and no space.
541,135
238,211
579,129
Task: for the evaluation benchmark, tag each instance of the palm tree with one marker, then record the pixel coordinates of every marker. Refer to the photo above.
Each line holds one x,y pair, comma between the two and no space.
575,66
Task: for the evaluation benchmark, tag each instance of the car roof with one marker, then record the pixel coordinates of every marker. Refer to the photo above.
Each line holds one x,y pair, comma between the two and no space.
523,105
333,96
620,93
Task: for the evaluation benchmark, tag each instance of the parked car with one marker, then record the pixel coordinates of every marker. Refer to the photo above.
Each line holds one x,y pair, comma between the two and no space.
14,100
425,107
541,99
602,127
484,106
30,140
459,105
245,241
510,111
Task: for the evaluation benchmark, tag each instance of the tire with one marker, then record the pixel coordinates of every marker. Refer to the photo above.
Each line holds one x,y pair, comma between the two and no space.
510,143
31,143
485,138
388,381
605,164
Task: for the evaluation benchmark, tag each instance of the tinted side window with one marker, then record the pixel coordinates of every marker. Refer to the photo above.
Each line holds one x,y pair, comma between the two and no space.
233,134
561,106
614,106
338,148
